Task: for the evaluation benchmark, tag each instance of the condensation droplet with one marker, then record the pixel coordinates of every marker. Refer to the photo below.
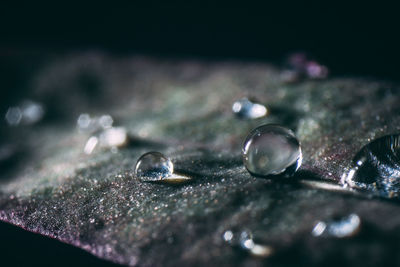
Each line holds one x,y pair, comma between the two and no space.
271,150
376,168
247,109
156,167
153,166
344,227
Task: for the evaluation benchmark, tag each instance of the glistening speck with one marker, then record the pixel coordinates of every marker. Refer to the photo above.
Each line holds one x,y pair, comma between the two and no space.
271,150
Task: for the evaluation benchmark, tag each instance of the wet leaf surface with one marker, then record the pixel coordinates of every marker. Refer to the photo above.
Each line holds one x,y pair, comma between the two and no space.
183,109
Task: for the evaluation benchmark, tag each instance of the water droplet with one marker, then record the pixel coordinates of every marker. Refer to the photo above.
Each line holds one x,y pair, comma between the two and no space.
344,227
156,167
271,150
244,108
376,168
153,166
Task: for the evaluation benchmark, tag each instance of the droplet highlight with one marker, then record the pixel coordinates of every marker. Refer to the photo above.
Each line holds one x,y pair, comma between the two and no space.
247,109
376,168
340,228
271,150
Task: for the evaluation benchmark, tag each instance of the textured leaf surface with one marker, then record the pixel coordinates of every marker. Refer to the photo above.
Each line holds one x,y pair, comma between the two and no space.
183,109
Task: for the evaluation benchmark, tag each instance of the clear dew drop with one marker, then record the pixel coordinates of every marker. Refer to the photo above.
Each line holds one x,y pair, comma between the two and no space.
156,167
153,166
247,109
343,227
271,150
376,168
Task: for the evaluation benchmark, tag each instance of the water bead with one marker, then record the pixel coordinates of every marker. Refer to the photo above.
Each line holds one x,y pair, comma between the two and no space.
247,109
376,167
271,150
153,166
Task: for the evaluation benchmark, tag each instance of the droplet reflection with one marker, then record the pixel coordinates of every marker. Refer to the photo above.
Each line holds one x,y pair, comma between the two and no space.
271,150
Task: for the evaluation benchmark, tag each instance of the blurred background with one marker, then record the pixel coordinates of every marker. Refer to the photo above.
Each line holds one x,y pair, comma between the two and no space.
352,39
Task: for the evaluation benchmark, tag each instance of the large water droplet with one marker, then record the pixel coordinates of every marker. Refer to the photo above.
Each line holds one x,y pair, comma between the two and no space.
244,108
376,167
343,227
271,150
153,166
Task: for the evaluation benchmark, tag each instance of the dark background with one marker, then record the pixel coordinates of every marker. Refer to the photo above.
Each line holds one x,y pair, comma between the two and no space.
352,39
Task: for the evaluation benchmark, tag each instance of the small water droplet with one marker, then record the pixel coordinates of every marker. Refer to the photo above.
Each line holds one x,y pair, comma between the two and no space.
271,150
247,109
344,227
153,166
156,167
376,168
